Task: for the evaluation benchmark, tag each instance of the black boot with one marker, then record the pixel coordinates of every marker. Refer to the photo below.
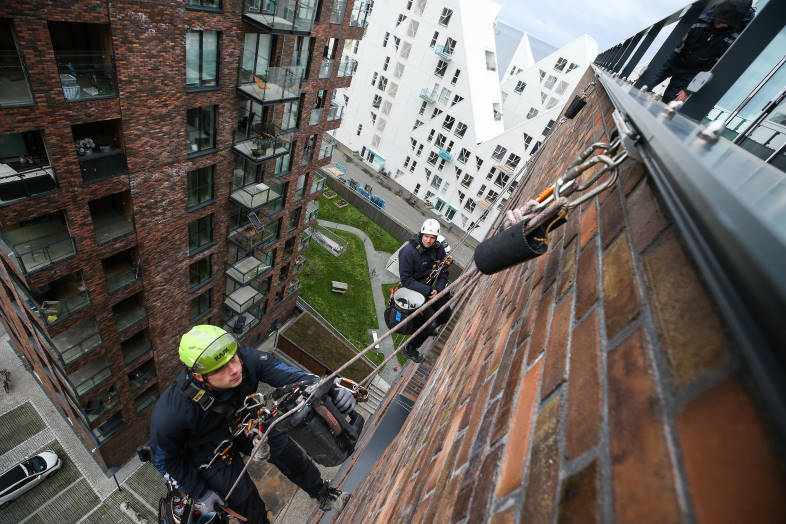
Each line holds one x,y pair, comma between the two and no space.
413,355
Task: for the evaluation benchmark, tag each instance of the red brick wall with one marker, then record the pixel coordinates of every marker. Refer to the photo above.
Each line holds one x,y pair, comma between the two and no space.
596,383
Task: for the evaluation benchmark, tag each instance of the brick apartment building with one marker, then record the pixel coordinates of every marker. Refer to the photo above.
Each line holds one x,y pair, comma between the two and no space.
158,171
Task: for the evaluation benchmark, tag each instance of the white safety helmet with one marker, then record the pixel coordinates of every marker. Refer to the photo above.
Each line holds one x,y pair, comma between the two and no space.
430,227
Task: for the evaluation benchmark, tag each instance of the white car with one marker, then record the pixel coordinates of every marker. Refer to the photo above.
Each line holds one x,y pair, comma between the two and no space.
27,474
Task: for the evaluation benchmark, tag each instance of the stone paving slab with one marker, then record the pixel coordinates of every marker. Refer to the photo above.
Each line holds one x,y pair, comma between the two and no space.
110,512
18,425
47,490
148,483
69,506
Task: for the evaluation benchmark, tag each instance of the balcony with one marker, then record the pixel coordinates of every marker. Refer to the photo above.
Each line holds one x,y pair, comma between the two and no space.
120,271
128,313
445,155
281,16
134,348
444,52
109,226
312,210
335,112
360,12
39,244
347,67
110,428
299,264
18,185
326,151
428,96
316,116
77,341
317,184
146,399
98,165
276,84
242,299
246,270
267,144
16,89
326,68
142,375
254,196
293,287
338,11
61,298
246,236
90,376
240,325
99,405
86,75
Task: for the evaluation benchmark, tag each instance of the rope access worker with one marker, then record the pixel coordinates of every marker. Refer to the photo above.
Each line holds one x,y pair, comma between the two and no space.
187,427
417,260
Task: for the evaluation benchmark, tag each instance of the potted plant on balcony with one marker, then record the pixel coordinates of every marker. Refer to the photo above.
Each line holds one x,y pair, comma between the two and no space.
256,147
85,146
105,142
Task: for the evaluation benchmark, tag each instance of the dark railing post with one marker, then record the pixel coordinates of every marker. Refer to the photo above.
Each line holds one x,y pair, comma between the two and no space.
759,33
632,43
645,44
672,42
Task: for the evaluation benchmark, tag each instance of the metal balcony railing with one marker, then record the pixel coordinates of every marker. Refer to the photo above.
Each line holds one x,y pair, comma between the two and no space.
246,270
243,299
15,186
86,75
98,165
240,324
36,252
268,143
444,52
428,96
347,67
146,399
293,287
273,85
317,184
281,16
254,196
13,77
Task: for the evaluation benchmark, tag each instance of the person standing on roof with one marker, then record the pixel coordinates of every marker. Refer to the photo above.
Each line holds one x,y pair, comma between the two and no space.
712,34
192,419
417,260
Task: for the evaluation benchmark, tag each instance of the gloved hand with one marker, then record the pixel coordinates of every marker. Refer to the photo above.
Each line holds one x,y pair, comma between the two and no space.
210,500
343,399
262,449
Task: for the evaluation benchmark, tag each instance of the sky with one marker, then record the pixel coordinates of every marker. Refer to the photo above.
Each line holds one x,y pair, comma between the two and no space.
557,22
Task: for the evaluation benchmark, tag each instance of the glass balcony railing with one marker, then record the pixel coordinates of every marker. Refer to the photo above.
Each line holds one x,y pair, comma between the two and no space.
121,277
16,89
53,311
428,96
444,52
308,155
316,116
142,376
281,16
338,11
326,68
326,151
247,269
299,264
110,428
18,185
312,209
275,84
108,227
248,237
128,313
98,165
77,341
254,196
240,324
86,75
242,299
317,184
335,112
360,12
134,348
90,376
146,399
293,287
347,67
39,245
99,405
446,155
268,143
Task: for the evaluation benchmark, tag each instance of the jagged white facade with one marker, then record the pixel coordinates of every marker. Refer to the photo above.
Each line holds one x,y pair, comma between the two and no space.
426,104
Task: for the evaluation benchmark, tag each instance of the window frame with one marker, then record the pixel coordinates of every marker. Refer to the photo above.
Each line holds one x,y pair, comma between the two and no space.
190,188
198,224
200,53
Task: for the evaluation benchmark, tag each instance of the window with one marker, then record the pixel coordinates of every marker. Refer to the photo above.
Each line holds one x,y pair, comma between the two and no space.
467,180
561,87
527,141
429,194
200,129
200,186
497,111
200,306
513,161
373,118
450,146
200,272
420,149
440,204
430,136
450,213
455,77
417,188
436,113
413,166
377,101
462,196
444,18
560,65
456,100
542,74
550,82
436,182
382,84
492,195
428,174
432,158
461,128
215,4
448,123
300,187
572,67
481,190
470,205
532,113
418,123
548,128
13,71
445,188
385,65
520,87
406,162
422,108
294,219
502,179
463,156
491,174
400,19
396,42
360,129
200,233
491,61
412,143
434,39
385,40
374,78
441,68
499,153
201,59
478,162
444,96
440,141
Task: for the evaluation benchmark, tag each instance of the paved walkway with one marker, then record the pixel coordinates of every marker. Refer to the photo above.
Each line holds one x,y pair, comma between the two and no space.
378,276
410,215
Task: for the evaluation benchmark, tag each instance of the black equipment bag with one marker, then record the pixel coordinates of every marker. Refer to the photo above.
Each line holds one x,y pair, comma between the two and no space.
327,435
402,304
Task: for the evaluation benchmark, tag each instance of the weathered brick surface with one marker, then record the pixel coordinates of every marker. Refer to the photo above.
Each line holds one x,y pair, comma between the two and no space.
584,395
554,373
540,499
578,500
586,281
620,298
646,218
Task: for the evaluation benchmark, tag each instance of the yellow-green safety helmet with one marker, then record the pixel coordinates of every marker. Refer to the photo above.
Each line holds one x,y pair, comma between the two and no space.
206,348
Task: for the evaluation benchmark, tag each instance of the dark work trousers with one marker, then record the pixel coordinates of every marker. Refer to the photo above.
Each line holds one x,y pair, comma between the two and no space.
415,342
253,508
680,78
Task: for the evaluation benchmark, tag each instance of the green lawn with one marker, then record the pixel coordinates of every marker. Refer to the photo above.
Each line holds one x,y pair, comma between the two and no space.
351,216
352,313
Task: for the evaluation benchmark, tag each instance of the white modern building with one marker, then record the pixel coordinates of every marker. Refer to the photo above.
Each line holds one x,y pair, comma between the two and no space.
427,105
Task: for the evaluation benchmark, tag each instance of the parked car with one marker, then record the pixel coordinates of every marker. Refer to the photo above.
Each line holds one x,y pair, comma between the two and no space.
27,474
